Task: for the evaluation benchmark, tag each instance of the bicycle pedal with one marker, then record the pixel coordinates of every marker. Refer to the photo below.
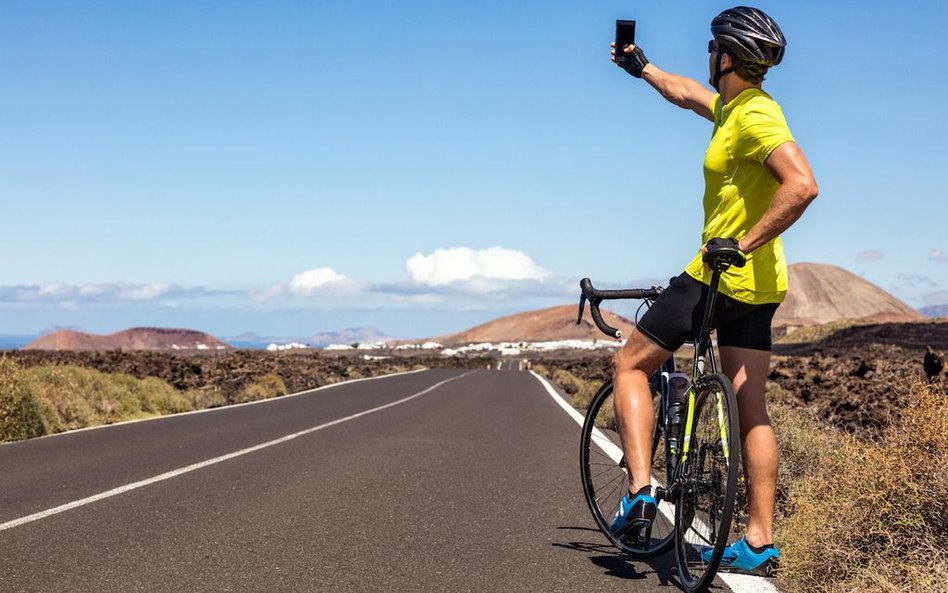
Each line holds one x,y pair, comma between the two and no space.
639,534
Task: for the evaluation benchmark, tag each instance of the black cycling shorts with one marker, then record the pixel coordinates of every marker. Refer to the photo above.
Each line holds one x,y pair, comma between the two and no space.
675,317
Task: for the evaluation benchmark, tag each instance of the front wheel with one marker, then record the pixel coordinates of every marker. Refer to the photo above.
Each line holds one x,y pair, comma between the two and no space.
606,478
707,484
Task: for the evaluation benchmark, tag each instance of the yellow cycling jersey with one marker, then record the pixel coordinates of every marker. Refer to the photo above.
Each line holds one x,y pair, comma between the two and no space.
738,191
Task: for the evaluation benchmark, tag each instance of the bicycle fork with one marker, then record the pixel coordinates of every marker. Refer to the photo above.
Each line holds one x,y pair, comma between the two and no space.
682,460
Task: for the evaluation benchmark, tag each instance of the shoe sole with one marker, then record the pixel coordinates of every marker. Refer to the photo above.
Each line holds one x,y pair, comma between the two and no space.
767,569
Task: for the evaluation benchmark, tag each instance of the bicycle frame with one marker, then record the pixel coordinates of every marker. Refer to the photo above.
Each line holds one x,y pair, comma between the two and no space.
704,364
700,479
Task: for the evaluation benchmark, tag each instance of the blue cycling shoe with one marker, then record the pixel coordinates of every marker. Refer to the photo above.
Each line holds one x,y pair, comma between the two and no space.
740,558
634,517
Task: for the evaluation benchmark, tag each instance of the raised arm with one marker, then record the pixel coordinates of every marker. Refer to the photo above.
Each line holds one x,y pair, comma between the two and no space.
682,91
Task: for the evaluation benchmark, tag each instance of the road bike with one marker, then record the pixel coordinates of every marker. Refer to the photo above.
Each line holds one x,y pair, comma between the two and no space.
695,447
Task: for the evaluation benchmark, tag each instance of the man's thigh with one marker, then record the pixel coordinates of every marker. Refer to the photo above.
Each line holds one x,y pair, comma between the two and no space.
640,353
748,368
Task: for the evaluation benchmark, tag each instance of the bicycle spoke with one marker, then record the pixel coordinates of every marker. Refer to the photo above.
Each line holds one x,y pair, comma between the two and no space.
616,485
599,452
709,479
606,479
608,471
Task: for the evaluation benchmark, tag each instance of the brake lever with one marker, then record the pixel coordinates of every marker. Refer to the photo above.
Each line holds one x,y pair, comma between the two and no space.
582,306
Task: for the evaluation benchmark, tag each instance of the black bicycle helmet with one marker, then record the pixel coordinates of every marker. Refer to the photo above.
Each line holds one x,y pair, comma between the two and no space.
749,35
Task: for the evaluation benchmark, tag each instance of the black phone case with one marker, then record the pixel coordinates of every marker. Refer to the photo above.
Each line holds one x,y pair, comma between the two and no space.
625,35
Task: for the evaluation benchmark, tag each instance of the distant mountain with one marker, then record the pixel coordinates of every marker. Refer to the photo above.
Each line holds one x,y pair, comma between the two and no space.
360,335
247,337
139,338
821,293
544,325
935,310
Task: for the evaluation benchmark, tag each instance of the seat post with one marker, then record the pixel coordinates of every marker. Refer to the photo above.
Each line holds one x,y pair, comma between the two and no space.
704,341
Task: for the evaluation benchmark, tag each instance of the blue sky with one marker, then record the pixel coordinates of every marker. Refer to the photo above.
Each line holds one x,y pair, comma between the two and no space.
296,167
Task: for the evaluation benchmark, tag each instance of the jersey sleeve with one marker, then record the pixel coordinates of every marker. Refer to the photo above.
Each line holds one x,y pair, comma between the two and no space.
715,106
762,130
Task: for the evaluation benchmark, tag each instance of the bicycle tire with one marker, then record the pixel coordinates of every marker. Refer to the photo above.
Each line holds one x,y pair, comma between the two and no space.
707,485
605,477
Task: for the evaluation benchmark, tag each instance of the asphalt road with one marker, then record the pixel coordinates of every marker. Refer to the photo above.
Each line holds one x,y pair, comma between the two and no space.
470,486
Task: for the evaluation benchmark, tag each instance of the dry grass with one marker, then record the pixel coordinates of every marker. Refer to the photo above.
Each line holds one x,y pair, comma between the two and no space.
206,397
869,515
264,387
580,390
855,515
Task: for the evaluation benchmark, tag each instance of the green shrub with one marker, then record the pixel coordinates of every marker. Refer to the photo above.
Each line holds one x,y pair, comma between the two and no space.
21,412
263,387
158,397
73,397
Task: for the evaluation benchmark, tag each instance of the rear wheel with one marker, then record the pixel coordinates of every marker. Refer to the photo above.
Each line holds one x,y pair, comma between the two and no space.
606,477
705,492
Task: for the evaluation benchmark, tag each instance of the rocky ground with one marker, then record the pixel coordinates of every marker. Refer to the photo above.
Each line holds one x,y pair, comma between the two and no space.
854,377
230,371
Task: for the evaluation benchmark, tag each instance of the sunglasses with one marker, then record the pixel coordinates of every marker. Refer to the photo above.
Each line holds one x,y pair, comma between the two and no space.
712,47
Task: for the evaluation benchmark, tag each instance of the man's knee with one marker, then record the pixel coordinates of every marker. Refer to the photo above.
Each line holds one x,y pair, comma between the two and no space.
638,356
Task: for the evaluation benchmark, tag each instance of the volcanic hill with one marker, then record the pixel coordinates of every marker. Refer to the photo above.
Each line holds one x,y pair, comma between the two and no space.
544,325
138,338
819,294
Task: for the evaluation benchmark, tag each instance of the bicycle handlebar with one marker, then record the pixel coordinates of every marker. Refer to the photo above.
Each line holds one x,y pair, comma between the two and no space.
596,296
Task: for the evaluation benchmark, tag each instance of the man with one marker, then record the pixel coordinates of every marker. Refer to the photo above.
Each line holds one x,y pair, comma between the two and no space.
757,183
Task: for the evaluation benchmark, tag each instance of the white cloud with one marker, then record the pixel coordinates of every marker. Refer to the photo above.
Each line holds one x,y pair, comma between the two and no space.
313,282
76,294
316,282
482,270
939,256
147,292
869,256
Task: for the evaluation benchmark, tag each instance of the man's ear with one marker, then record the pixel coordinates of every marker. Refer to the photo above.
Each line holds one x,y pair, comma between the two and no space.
726,61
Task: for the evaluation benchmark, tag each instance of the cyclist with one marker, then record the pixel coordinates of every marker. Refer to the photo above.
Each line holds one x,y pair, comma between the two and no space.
757,183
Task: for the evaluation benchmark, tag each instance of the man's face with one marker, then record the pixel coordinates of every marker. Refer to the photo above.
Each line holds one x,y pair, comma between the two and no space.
713,51
712,56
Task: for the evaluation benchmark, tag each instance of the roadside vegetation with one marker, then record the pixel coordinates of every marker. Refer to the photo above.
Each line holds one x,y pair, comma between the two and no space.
855,514
47,399
47,392
862,515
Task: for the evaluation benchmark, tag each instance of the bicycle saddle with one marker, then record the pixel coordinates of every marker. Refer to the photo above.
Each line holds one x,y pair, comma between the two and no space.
723,253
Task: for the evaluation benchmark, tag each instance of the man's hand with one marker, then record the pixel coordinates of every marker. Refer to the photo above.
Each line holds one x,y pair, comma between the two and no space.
726,245
635,60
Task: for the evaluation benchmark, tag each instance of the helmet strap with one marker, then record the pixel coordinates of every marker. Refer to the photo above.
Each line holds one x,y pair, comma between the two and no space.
718,73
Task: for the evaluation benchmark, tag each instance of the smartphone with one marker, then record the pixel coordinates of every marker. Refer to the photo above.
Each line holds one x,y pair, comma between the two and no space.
625,35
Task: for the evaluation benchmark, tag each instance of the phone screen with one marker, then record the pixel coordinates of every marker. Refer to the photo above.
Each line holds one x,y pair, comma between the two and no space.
625,35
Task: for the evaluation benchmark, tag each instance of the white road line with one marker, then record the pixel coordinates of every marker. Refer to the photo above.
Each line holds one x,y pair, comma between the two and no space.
209,462
737,582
